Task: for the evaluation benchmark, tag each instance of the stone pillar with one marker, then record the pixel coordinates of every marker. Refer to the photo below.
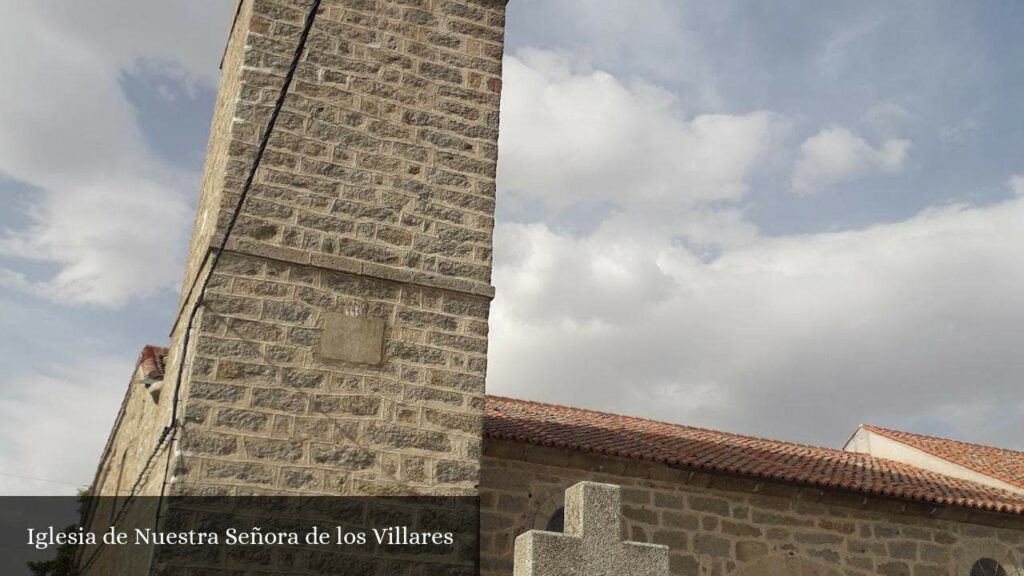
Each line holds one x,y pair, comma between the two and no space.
591,544
342,345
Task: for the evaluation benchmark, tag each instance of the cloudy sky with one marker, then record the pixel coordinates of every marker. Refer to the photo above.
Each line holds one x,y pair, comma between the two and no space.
778,219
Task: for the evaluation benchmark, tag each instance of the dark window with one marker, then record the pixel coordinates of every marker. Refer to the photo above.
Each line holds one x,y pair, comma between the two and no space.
987,567
557,522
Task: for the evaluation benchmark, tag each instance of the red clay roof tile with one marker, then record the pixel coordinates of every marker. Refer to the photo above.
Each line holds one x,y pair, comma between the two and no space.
1000,463
151,362
674,444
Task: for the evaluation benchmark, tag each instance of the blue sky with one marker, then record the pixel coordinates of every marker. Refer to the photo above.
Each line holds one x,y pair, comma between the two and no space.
780,219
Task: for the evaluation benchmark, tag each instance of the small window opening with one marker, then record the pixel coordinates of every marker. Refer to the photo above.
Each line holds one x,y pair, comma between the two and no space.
557,522
987,567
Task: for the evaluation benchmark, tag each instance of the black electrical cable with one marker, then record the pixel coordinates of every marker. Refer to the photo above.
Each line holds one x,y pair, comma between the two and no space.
310,17
170,430
296,57
166,435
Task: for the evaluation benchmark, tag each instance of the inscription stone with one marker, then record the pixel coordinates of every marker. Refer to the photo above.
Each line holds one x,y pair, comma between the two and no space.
358,339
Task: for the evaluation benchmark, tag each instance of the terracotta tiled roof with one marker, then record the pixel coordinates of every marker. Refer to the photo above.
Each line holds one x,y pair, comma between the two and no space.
151,362
697,448
999,463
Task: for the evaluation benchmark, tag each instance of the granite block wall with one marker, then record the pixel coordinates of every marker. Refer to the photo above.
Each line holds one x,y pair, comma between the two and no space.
720,525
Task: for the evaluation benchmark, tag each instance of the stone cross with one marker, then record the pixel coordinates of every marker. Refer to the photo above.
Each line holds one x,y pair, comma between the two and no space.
590,545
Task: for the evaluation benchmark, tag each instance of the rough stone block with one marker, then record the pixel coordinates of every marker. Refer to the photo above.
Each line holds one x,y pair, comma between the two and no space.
590,544
356,339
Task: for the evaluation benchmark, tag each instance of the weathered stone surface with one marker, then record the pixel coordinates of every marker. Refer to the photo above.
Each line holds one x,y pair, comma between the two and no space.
467,423
275,450
215,444
246,372
748,550
277,399
245,472
219,392
302,378
245,420
374,201
705,543
393,436
591,544
346,405
352,339
791,531
450,472
343,457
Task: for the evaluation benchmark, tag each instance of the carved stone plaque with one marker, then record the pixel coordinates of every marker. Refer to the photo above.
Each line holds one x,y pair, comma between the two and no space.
358,339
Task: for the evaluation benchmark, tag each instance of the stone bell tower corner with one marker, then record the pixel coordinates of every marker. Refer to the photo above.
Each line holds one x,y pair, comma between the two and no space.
341,347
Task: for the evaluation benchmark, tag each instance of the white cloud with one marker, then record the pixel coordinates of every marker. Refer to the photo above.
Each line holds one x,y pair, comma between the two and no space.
53,425
959,132
13,279
844,42
178,35
662,40
111,216
550,269
835,155
570,134
1017,185
797,337
113,240
886,118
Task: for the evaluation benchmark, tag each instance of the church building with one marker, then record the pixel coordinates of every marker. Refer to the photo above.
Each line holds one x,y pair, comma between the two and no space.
332,335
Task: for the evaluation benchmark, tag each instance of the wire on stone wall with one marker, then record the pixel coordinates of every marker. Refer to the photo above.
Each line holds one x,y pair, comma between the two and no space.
170,431
165,436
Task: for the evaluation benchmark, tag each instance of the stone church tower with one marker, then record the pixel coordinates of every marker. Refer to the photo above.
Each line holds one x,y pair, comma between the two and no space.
341,345
338,347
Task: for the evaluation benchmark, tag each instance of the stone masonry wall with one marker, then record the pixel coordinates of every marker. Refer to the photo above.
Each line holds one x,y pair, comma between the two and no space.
383,160
265,413
132,447
375,200
717,525
132,441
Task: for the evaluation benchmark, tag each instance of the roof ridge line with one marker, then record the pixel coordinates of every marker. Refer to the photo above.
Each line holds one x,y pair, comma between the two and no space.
882,429
857,472
993,473
673,424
